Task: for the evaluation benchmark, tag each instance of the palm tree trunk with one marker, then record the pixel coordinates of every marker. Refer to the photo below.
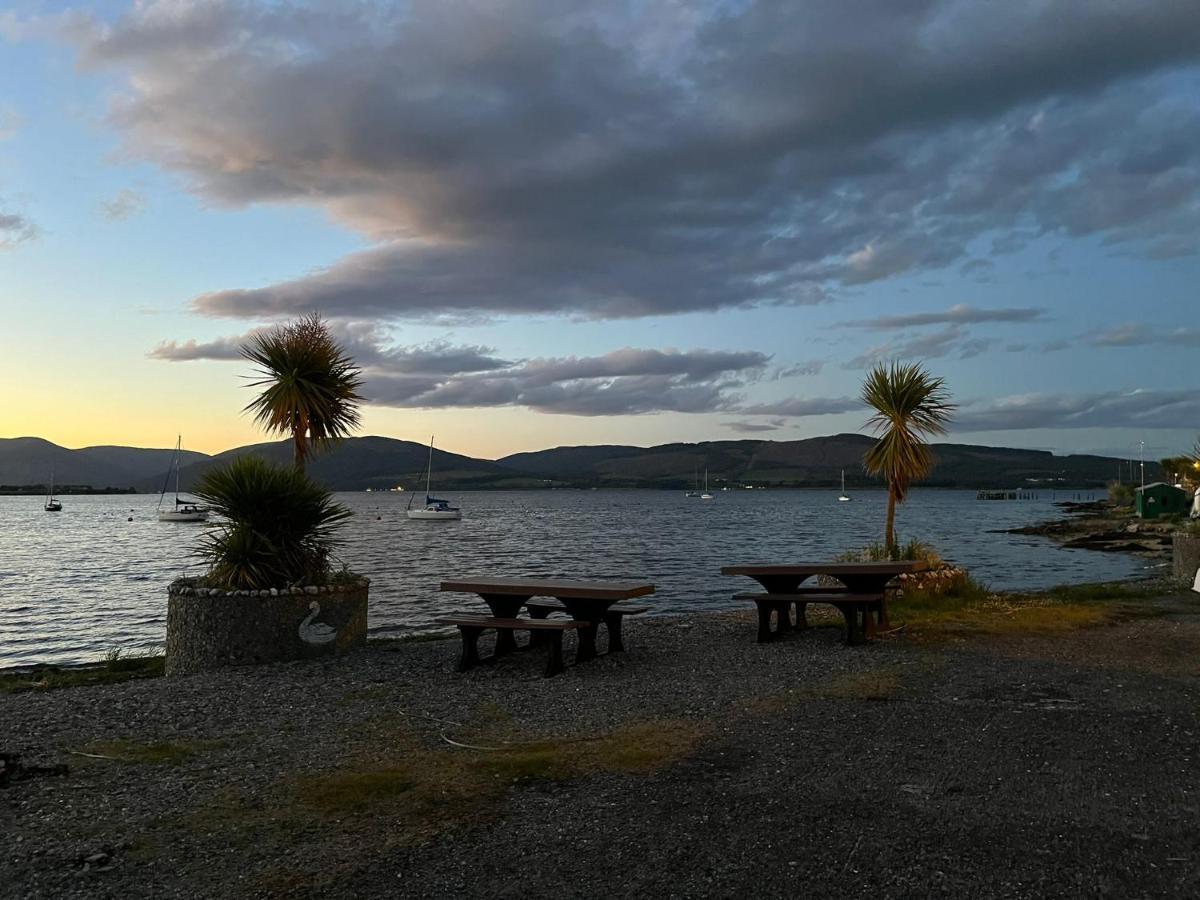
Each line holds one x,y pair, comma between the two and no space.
299,448
890,535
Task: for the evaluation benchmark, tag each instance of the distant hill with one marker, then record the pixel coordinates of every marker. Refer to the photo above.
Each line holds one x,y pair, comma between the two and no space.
373,462
381,463
27,461
814,462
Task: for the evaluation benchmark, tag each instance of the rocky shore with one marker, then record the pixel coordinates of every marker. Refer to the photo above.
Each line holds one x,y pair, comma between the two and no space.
1050,763
1100,526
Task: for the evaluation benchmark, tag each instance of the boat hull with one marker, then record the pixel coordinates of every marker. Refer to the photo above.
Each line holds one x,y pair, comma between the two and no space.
435,515
171,515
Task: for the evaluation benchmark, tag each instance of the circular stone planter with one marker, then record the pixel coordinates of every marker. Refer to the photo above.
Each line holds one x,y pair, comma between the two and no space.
1185,552
210,628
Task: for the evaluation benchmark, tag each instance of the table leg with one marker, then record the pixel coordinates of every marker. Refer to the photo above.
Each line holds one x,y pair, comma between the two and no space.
801,615
504,606
591,614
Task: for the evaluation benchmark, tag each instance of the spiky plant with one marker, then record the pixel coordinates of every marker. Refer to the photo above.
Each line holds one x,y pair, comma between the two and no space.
309,385
910,405
277,526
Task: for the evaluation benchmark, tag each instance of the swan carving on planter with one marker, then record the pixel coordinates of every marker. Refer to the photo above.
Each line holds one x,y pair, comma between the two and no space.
316,632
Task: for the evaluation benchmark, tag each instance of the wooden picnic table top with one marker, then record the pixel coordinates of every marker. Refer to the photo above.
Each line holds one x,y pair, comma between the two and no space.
550,587
884,567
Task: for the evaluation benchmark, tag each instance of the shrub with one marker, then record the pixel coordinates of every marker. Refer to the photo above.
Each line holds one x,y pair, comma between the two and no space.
277,528
1120,494
878,552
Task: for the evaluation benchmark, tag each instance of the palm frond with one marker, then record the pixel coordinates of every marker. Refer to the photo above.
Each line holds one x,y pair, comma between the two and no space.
310,385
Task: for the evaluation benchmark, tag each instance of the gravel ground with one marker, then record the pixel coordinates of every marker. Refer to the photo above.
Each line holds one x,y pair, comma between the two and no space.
1015,767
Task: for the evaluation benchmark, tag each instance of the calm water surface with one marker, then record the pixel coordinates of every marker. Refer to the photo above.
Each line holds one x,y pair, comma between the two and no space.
94,577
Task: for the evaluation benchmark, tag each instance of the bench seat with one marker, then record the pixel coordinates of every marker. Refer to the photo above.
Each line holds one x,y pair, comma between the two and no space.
861,612
611,620
471,627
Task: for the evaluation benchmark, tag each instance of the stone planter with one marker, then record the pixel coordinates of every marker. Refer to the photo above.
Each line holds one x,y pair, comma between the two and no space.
209,628
1185,551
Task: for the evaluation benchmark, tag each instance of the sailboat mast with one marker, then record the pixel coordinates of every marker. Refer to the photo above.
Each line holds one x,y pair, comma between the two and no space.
178,447
429,468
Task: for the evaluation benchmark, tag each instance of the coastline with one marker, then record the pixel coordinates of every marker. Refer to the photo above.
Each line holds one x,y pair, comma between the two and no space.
1100,526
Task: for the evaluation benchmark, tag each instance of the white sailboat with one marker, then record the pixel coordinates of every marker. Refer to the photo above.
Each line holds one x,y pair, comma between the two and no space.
51,504
706,495
434,509
844,498
181,510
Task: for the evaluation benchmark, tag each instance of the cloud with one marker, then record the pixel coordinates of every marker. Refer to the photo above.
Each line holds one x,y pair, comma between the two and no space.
756,427
805,406
954,340
619,160
811,367
1138,334
16,229
955,315
123,205
1143,409
444,375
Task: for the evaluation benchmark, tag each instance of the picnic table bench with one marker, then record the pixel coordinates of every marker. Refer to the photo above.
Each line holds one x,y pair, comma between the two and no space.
588,603
861,598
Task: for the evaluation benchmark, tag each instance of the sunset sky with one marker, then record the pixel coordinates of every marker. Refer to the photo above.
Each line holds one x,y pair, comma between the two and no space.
559,222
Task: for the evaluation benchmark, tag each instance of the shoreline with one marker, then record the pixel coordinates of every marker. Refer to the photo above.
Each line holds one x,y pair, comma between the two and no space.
1099,526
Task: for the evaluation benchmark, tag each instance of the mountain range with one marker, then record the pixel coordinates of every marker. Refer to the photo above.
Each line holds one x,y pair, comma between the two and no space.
380,463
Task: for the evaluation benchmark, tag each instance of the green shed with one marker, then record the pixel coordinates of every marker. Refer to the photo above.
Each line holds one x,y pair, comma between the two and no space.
1160,499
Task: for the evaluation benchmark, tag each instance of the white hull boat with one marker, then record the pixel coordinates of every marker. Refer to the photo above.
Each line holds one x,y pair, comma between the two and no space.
706,495
181,510
843,498
434,510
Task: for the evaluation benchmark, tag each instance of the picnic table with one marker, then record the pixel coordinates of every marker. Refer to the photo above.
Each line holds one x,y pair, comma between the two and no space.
588,603
861,598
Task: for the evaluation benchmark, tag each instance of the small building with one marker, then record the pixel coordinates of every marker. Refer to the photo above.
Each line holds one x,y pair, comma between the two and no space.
1159,499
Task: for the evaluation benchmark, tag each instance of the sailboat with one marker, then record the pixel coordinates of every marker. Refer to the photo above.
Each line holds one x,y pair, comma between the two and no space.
181,510
434,509
52,505
844,498
706,495
696,492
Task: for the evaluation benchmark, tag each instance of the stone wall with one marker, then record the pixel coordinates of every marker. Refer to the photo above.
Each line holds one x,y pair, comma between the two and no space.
1185,550
209,628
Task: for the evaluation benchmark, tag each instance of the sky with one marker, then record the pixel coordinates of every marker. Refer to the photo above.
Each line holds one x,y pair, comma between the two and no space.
556,222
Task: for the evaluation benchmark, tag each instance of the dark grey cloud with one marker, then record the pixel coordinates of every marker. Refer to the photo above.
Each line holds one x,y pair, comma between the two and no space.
756,427
442,375
1143,409
125,204
805,406
810,367
952,341
1138,334
960,314
613,159
16,229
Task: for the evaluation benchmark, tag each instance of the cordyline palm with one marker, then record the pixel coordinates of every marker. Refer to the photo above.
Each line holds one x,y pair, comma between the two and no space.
910,405
310,385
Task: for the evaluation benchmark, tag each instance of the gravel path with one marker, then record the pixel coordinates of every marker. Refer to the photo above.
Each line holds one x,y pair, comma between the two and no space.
1021,767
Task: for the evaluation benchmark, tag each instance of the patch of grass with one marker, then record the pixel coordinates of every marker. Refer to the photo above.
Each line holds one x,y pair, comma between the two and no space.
420,790
114,669
161,753
971,608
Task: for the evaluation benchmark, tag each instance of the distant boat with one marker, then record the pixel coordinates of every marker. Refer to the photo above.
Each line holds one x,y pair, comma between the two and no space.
51,504
844,498
181,510
696,491
706,495
434,509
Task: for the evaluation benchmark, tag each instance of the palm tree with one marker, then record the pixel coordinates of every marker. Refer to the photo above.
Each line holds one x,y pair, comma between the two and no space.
310,385
910,404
